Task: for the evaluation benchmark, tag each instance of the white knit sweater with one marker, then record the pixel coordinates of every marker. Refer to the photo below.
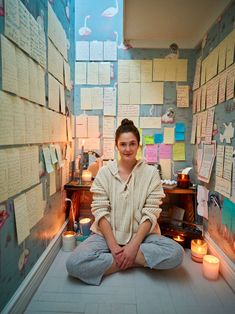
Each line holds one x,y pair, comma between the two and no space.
127,204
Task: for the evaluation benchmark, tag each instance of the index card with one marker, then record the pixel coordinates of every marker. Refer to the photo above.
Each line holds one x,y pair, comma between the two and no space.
146,71
80,72
169,135
92,73
108,148
165,168
24,27
85,99
104,73
164,151
6,119
134,68
179,151
21,218
208,156
152,93
82,51
228,161
134,91
93,126
47,159
220,160
12,21
128,110
96,50
110,50
14,174
150,122
123,71
9,66
108,127
109,101
3,176
81,126
97,97
182,92
151,153
159,66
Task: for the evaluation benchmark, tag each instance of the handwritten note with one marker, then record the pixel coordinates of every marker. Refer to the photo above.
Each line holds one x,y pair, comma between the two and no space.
108,127
151,153
182,96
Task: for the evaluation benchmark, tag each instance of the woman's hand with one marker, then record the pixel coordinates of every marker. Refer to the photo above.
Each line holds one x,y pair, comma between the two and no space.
117,251
128,255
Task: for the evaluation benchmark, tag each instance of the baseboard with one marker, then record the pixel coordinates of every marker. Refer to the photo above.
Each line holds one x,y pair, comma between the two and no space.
227,267
26,290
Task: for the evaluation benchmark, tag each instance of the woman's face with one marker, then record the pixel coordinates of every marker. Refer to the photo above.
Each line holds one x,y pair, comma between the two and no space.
127,146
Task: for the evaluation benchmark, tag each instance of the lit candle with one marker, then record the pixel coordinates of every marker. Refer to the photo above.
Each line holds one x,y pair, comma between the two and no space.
85,224
183,180
180,239
210,267
198,250
86,176
68,241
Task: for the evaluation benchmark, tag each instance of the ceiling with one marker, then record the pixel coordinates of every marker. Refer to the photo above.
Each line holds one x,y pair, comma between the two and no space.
159,23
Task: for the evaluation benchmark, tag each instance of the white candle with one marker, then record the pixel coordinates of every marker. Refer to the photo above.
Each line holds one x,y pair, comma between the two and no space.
198,250
210,267
68,241
86,176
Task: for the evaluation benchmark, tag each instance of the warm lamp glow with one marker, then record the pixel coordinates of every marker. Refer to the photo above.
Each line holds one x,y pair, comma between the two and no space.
210,267
86,176
198,250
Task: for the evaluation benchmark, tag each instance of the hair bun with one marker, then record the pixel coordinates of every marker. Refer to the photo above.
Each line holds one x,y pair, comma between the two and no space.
127,122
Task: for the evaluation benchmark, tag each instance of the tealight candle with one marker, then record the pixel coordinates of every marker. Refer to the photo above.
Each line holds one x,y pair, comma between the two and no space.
210,267
86,176
180,239
198,250
183,181
68,241
85,224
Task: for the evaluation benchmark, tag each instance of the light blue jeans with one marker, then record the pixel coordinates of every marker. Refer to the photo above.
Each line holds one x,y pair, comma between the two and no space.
89,261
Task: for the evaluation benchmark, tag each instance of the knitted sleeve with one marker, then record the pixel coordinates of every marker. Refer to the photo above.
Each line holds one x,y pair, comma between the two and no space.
151,209
100,206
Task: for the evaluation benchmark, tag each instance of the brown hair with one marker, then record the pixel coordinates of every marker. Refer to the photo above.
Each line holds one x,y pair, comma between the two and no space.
125,127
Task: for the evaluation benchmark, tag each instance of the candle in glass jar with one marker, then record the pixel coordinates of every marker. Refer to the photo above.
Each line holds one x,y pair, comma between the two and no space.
210,267
198,250
68,241
180,239
86,176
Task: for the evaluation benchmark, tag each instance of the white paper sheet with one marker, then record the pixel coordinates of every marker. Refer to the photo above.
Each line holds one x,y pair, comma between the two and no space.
109,101
82,51
110,50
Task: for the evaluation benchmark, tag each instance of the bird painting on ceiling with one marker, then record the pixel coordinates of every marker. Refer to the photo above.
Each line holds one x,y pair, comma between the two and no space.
84,30
111,11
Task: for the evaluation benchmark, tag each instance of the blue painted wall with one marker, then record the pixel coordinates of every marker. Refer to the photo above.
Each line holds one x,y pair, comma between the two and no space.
54,216
103,28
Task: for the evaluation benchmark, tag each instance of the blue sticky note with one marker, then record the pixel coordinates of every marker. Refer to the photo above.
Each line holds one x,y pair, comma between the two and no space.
158,138
179,127
179,136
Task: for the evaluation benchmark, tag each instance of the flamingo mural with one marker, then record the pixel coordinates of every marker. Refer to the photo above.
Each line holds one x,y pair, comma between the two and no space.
111,11
85,31
121,45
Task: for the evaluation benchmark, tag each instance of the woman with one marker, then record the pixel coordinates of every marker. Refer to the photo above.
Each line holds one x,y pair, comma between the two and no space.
126,199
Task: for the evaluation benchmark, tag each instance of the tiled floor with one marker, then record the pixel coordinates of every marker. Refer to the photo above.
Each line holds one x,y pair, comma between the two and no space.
142,291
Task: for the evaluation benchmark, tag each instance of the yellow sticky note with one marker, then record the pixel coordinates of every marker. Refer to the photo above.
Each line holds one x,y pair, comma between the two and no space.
179,151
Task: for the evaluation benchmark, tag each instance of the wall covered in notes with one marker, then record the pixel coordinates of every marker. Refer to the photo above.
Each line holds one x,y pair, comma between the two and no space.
213,130
113,81
37,54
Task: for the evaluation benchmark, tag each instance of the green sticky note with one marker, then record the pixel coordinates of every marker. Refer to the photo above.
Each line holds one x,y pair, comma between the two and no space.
148,139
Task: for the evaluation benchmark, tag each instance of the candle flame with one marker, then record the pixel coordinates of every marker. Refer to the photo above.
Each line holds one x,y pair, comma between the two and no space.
85,220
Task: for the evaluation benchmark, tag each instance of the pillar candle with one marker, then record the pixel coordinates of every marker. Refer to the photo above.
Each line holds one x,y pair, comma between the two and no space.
210,267
86,176
85,224
68,241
